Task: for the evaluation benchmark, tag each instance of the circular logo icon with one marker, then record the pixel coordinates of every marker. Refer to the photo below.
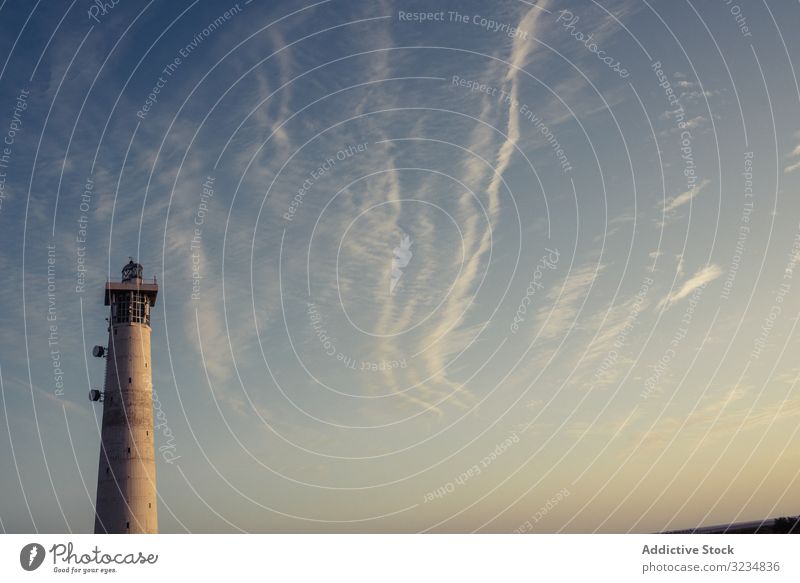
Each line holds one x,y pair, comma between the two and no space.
31,556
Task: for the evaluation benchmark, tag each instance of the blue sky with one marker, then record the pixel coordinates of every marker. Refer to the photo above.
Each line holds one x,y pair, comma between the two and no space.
424,266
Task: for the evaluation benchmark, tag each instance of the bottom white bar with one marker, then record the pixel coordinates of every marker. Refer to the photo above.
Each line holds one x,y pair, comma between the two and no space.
389,558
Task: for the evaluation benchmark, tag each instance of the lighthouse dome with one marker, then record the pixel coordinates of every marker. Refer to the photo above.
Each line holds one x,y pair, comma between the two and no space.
132,271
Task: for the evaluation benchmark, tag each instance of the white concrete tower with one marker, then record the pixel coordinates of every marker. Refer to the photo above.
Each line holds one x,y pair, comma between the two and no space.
126,478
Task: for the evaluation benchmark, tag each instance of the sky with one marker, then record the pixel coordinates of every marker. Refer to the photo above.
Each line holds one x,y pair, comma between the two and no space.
424,266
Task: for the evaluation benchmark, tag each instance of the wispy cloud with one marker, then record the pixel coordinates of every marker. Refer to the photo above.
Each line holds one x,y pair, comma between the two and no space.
791,167
796,163
721,414
453,334
566,301
701,278
684,197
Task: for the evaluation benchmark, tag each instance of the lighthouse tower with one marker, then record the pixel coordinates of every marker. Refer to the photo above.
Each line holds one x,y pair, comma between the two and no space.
126,478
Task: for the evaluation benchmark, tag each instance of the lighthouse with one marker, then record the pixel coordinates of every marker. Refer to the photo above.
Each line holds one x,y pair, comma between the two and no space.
126,476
